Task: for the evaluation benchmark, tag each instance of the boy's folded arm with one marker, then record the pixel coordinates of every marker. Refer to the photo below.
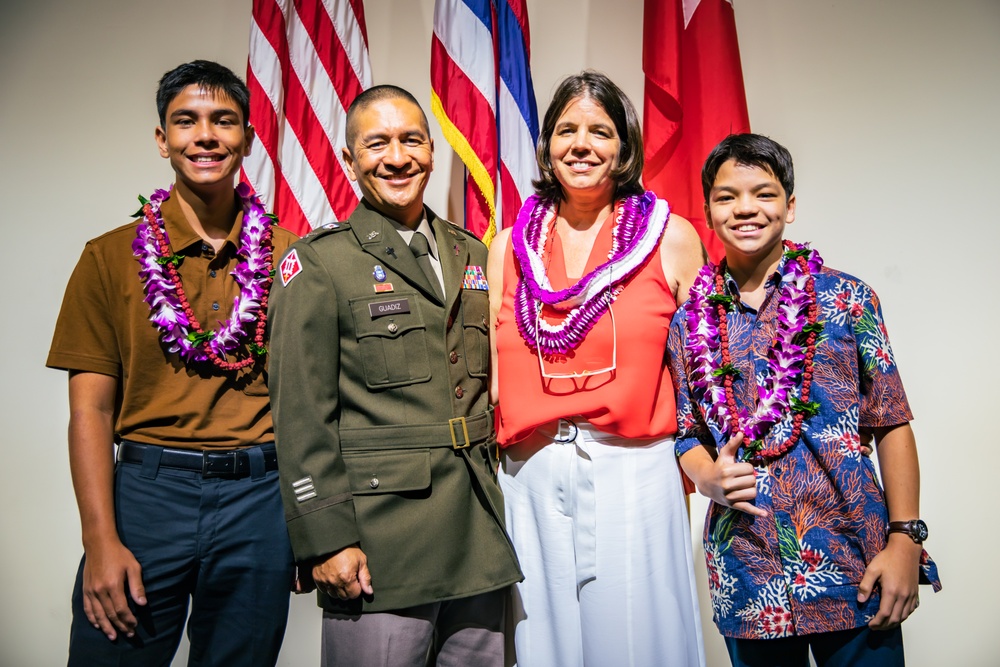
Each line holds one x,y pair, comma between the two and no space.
897,568
725,480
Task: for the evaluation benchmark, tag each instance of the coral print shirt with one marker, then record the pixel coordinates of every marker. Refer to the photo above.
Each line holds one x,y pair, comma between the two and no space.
796,571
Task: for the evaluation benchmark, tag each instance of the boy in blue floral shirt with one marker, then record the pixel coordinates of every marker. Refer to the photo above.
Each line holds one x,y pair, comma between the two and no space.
781,364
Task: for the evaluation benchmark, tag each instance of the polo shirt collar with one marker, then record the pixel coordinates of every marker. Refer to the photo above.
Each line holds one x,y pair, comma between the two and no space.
182,236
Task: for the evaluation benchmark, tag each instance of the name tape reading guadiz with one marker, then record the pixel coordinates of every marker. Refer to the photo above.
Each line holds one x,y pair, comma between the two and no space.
391,307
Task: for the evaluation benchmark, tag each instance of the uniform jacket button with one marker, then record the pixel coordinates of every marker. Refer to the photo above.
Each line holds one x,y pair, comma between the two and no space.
453,357
459,392
373,483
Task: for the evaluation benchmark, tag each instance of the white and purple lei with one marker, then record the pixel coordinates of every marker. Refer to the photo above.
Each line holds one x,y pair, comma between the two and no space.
252,274
640,223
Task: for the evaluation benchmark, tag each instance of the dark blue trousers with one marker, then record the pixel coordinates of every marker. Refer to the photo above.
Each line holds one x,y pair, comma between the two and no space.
860,647
218,544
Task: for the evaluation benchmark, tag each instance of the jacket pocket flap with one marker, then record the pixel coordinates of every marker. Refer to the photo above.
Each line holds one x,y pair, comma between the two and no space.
388,471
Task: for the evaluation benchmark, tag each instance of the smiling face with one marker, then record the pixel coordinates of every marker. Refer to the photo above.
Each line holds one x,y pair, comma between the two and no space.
205,138
583,150
391,158
748,210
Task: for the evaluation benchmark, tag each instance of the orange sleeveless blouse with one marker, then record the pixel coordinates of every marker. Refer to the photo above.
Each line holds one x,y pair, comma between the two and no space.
634,401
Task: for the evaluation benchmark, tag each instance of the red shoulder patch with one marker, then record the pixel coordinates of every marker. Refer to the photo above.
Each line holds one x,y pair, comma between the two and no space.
290,267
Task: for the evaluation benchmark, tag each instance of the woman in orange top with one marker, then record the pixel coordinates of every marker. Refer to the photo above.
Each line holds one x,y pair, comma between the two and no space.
582,290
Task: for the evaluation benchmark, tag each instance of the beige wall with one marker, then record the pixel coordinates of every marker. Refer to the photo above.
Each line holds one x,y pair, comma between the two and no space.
889,108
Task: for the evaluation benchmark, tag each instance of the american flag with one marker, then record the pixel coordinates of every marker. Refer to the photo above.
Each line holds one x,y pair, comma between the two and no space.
308,61
481,94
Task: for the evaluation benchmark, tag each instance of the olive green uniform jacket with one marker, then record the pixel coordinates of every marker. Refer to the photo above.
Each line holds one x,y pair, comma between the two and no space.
374,396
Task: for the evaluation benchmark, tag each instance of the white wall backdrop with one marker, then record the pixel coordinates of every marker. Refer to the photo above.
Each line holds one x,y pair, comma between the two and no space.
889,108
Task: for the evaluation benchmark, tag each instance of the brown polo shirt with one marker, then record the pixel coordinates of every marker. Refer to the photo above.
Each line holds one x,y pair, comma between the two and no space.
104,327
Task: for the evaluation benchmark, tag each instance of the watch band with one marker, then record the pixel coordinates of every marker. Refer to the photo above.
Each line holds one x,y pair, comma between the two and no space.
914,528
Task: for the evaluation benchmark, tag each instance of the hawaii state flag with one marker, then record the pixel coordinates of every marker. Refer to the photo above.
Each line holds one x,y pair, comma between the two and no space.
694,98
482,96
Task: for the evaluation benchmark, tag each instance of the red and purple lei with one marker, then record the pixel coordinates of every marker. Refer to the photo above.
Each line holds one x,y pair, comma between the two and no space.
789,358
169,308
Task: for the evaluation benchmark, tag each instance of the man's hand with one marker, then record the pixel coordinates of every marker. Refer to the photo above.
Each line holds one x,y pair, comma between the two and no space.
730,482
344,575
106,571
897,571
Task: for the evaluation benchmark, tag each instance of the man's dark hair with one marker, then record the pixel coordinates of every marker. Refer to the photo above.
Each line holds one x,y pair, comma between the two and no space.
602,90
369,97
750,150
211,76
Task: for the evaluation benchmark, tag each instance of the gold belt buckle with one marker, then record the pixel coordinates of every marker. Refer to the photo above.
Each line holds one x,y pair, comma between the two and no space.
465,433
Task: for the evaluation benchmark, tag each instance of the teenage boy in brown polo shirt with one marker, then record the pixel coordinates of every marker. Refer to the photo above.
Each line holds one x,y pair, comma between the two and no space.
162,332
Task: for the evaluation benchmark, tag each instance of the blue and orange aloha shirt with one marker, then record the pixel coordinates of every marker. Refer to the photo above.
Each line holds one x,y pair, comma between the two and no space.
796,571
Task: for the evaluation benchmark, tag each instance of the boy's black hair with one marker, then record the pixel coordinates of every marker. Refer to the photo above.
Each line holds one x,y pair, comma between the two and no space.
369,97
750,150
599,88
211,76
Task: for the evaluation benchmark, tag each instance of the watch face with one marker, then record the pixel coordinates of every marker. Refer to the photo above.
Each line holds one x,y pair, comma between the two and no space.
919,530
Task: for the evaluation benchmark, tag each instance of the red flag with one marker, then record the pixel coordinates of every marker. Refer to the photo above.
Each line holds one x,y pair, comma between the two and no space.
694,98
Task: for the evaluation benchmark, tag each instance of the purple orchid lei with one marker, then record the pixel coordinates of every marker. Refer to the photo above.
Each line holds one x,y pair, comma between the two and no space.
785,357
638,226
167,302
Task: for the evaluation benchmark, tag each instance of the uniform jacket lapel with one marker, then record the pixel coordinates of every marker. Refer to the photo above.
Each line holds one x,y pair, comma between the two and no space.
453,251
380,240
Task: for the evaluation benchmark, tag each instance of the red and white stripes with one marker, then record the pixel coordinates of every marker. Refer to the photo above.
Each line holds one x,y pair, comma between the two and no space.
308,61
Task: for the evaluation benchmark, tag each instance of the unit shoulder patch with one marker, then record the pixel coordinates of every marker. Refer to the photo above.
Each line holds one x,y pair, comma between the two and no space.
290,267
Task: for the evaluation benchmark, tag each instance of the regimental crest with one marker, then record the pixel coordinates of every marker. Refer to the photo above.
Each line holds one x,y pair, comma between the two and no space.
474,278
290,267
379,273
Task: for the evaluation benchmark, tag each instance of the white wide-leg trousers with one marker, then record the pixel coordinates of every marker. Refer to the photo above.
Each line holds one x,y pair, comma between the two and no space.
601,530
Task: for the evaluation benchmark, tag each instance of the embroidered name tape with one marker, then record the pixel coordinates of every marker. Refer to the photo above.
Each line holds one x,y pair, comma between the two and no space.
474,278
290,267
383,308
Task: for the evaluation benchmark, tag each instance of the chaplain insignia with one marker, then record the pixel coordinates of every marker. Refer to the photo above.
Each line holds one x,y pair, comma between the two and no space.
290,267
474,278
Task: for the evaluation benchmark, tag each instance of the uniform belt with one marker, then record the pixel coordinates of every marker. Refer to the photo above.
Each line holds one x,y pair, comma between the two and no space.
231,463
457,433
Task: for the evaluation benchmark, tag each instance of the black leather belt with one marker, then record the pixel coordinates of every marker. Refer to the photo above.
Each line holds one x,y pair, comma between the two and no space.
231,463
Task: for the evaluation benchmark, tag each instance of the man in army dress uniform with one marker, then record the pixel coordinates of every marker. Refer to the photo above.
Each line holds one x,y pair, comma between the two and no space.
379,377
